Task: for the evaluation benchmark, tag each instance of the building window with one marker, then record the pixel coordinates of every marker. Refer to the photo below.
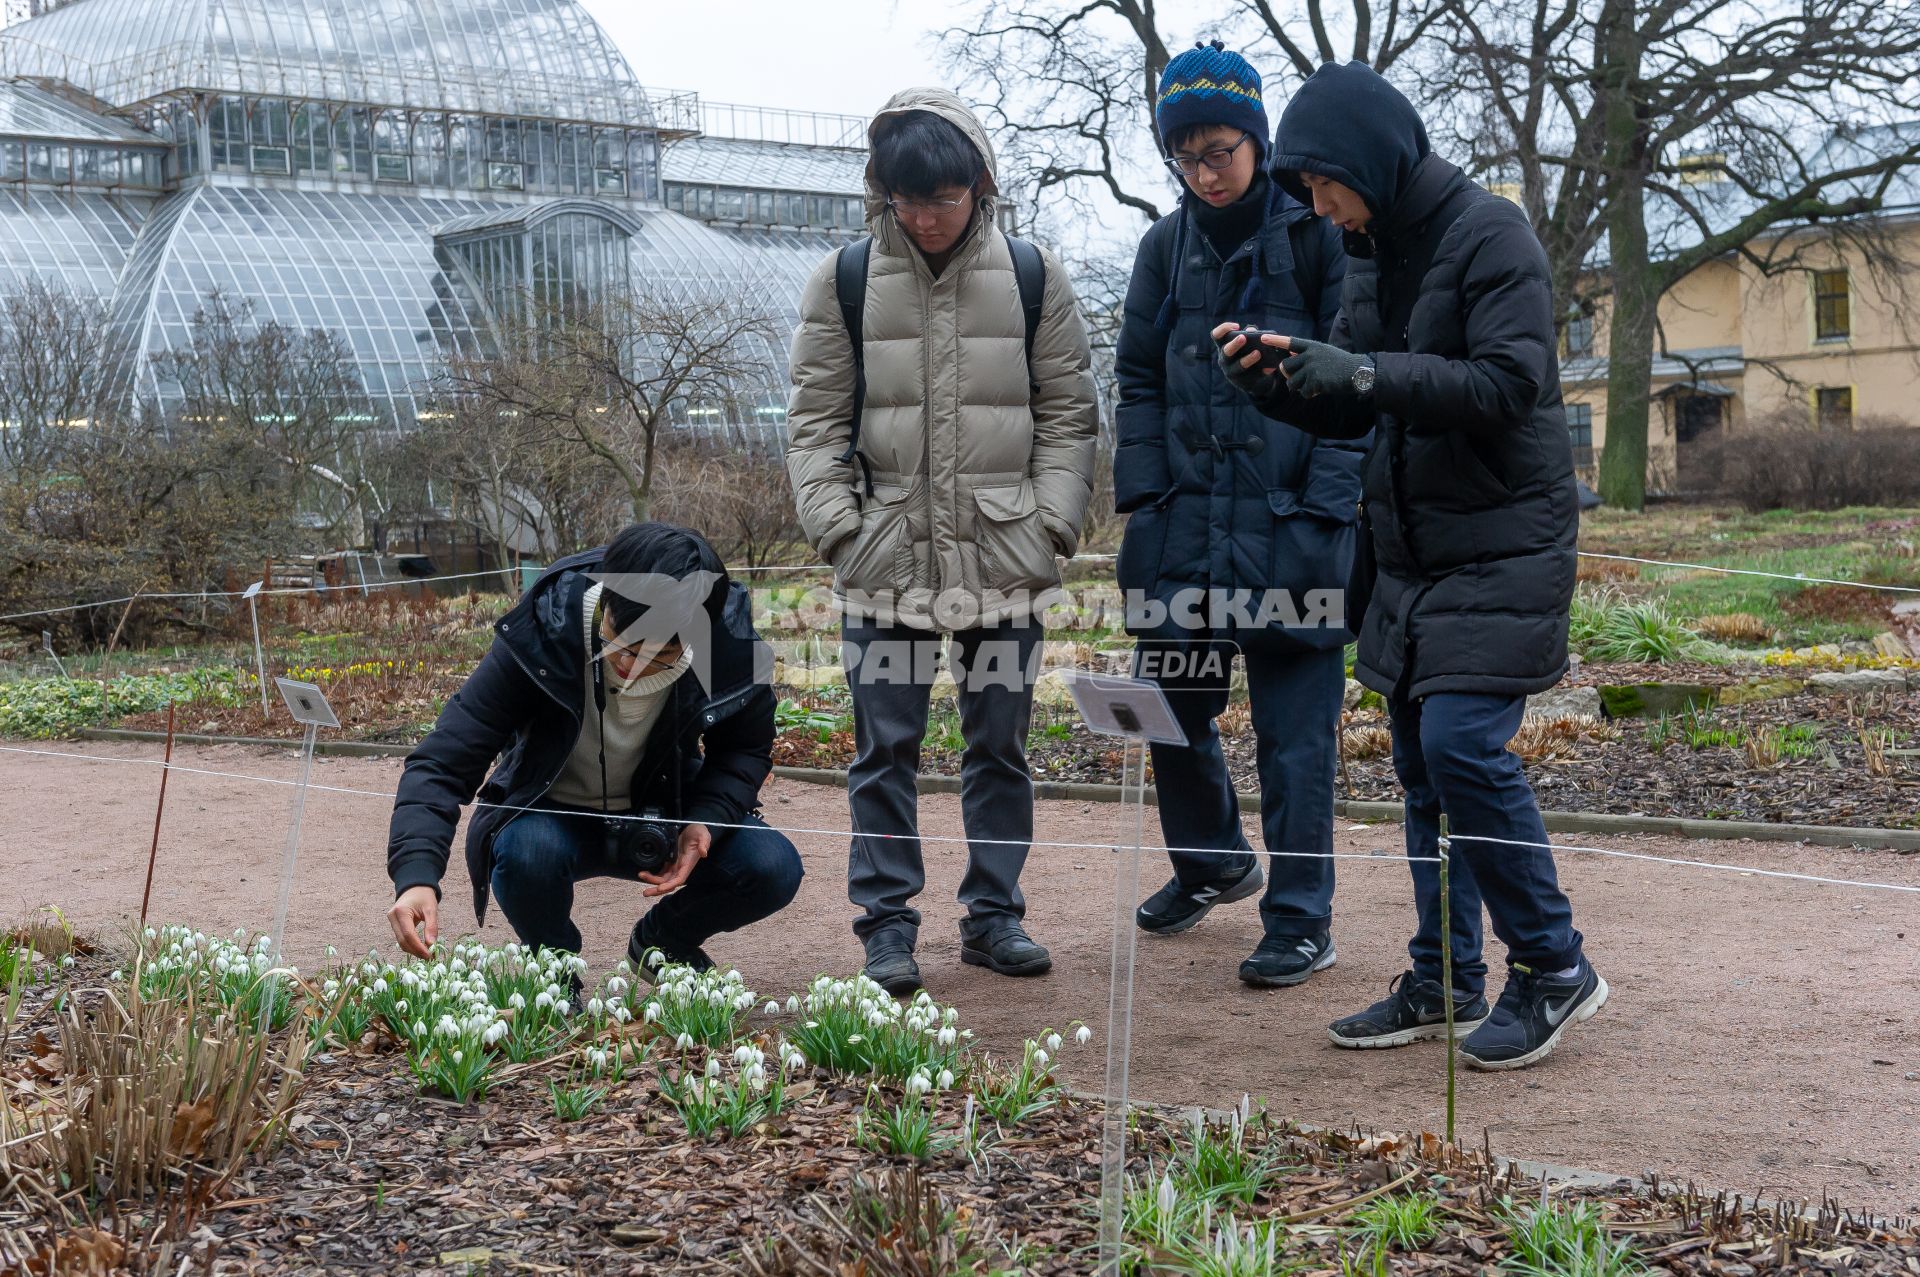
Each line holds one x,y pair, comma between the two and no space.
393,168
1580,431
1578,342
1832,306
505,176
1833,407
271,159
13,164
610,181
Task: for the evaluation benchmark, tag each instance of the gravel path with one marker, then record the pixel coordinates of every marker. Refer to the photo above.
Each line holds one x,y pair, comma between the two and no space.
1764,1035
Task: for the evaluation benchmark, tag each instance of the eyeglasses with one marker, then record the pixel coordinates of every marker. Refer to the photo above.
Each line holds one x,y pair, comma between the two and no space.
1216,159
929,208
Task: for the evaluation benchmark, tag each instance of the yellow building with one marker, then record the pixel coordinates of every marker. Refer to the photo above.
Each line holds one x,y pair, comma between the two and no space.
1830,344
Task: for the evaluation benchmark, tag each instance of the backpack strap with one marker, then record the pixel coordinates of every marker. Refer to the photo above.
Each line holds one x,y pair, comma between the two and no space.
1308,277
850,289
1030,274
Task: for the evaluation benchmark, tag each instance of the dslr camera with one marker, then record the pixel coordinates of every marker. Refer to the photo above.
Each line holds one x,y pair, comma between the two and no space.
644,845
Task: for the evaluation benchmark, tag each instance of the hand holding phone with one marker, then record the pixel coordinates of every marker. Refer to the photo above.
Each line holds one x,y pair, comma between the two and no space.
1270,356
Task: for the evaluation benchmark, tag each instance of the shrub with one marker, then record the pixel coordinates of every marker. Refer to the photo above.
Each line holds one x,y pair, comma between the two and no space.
1606,626
1780,462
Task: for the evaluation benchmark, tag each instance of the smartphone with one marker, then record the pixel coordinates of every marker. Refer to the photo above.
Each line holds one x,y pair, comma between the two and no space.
1270,356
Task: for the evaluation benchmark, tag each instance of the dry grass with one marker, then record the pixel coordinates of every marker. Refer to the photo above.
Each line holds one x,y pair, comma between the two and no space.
1360,741
1734,627
144,1094
1605,571
1542,739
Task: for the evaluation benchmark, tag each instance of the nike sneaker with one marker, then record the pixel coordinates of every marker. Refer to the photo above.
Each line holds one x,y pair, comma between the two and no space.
1411,1012
1177,906
1533,1011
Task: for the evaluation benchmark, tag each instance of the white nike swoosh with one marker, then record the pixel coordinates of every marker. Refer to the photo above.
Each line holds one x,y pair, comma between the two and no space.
1557,1014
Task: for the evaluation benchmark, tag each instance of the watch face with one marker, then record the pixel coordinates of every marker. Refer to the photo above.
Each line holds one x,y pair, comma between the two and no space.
1363,379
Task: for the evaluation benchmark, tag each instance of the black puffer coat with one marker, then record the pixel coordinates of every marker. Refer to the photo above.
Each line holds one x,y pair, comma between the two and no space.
1469,487
1220,497
705,759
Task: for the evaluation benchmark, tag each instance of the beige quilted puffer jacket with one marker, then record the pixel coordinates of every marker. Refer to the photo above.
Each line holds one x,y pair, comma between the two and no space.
979,480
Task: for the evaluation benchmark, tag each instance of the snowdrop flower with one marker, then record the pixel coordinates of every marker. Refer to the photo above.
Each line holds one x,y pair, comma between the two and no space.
656,959
947,1037
918,1084
1040,1059
684,1042
946,1079
595,1007
419,1028
517,1001
544,1001
651,1013
151,933
617,987
793,1005
1083,1035
458,1057
620,1013
495,1031
1053,1042
117,976
562,1007
743,1056
400,1005
713,1066
773,1008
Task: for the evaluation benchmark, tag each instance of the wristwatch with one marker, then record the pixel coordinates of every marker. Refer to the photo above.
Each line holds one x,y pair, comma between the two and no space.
1363,379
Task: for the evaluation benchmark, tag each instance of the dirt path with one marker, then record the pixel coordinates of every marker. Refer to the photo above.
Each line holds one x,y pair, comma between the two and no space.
1764,1035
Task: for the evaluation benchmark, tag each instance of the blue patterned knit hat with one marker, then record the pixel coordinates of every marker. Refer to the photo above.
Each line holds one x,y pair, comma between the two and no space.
1210,84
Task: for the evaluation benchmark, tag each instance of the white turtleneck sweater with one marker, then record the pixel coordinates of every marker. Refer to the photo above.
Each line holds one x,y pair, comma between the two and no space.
632,710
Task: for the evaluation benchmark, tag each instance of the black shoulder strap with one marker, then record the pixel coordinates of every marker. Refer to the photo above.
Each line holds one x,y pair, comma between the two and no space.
1307,275
1030,273
850,289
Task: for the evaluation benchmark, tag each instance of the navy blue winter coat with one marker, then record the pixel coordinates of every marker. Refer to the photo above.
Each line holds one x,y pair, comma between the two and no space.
705,759
1220,496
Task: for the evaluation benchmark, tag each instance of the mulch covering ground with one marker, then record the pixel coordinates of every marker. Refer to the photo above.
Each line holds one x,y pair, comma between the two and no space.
376,1177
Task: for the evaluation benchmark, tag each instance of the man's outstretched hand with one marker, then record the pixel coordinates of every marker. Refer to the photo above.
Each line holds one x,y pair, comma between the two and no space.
1241,362
1314,368
695,840
415,919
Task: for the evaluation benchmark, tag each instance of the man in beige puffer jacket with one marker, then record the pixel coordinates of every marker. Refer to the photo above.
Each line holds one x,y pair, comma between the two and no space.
976,476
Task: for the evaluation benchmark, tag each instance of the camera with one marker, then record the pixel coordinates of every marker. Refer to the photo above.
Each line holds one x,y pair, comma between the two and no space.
1270,356
646,844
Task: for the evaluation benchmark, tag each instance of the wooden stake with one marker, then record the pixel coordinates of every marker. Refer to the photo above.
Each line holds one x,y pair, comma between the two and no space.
154,853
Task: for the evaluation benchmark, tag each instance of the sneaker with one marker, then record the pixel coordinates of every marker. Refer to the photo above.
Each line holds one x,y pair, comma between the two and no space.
1533,1011
1411,1012
1177,907
1281,961
891,966
1008,951
648,955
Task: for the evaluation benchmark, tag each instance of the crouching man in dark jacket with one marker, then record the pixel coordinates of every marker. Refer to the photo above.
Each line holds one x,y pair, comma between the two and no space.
626,698
1445,348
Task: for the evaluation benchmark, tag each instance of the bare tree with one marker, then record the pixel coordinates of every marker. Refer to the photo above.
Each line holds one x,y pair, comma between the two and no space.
296,395
736,494
1068,87
1678,132
609,377
52,378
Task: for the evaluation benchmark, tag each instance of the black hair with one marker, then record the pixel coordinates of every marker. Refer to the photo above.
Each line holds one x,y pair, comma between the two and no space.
664,548
919,154
1180,137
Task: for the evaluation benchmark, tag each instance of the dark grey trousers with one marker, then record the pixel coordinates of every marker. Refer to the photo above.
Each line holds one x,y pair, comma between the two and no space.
890,671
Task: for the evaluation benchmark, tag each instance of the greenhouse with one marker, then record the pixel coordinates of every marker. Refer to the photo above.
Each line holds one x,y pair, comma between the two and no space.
391,170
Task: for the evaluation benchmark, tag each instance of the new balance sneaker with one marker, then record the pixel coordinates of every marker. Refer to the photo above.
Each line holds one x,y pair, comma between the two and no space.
1176,907
1281,961
1411,1012
1533,1011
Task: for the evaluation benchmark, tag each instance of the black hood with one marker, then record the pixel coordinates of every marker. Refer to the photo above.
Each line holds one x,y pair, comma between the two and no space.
1348,124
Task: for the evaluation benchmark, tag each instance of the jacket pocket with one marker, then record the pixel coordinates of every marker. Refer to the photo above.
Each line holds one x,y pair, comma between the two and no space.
1475,473
878,557
1016,553
1312,536
1143,544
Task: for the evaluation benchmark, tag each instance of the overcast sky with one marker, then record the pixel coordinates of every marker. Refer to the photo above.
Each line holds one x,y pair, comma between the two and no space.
847,56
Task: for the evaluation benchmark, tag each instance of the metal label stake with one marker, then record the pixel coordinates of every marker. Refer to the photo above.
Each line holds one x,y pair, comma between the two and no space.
308,705
252,596
1137,711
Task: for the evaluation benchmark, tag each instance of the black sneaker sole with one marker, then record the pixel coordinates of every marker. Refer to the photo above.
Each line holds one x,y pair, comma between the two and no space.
1034,966
1252,884
1405,1037
1588,1008
1258,981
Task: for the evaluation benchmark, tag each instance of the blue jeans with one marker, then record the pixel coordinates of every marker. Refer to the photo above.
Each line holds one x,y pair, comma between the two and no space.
1450,750
748,874
1295,699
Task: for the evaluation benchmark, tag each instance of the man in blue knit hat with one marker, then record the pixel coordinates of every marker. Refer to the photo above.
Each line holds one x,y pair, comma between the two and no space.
1240,533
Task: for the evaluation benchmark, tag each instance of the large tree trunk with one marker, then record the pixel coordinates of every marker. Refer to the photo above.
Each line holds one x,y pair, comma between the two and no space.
1636,293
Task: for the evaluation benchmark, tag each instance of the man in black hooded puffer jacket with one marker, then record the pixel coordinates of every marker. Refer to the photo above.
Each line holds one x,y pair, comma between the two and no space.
1445,348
